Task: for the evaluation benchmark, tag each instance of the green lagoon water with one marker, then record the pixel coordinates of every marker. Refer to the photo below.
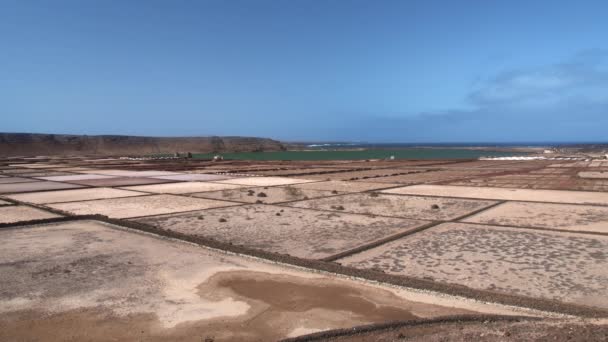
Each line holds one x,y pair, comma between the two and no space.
408,153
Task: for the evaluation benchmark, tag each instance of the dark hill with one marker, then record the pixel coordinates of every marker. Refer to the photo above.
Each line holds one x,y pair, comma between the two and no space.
27,144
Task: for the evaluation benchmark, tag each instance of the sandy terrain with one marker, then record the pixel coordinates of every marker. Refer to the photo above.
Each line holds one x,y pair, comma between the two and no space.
182,187
557,196
568,267
91,281
297,171
484,331
594,174
11,180
86,280
128,173
264,181
16,171
299,232
366,175
16,213
342,186
35,186
423,208
549,178
545,215
194,177
432,176
265,194
142,206
75,177
72,195
121,181
45,173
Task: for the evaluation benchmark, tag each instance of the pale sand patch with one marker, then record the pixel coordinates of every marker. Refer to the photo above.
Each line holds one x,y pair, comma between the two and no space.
182,188
194,177
343,186
4,202
557,196
546,215
127,173
265,181
91,273
16,213
265,195
140,206
416,207
74,177
72,195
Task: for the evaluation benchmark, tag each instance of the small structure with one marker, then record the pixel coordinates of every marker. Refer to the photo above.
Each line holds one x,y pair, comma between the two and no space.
217,158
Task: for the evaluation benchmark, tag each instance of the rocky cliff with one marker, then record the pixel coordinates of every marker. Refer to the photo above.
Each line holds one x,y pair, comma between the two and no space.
26,144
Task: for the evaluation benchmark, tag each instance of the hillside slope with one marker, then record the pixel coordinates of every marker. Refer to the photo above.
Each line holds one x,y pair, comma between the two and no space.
27,144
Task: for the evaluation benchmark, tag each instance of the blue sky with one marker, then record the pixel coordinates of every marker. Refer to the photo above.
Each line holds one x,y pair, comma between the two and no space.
378,71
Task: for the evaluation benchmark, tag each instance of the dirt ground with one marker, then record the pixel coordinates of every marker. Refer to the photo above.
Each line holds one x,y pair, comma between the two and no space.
265,194
194,177
546,215
72,195
264,181
484,331
300,232
547,178
447,244
342,186
182,187
11,180
594,174
432,176
367,175
416,207
89,281
141,206
16,213
569,267
121,181
75,177
35,186
557,196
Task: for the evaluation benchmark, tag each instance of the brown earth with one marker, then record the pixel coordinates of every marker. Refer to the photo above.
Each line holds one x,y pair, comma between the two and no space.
479,330
27,144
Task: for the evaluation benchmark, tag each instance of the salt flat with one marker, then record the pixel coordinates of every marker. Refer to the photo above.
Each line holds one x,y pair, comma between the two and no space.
16,213
92,281
72,195
568,267
557,196
299,232
141,206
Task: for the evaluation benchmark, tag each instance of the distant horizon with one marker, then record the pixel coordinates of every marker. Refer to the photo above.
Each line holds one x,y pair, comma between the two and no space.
343,142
